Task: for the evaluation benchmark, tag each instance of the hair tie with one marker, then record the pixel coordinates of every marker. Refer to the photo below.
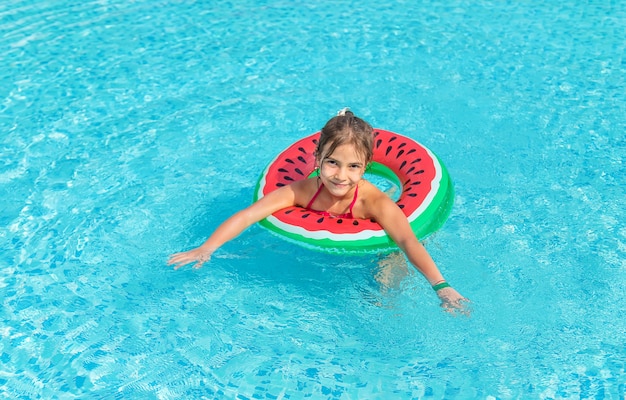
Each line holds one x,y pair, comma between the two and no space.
343,111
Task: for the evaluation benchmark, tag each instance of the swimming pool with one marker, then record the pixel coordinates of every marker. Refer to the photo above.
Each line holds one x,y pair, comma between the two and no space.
130,129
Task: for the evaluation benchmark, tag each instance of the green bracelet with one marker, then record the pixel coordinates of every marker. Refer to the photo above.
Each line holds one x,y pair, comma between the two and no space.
440,286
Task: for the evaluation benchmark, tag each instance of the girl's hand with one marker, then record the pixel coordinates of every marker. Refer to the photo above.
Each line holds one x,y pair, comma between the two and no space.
198,255
452,301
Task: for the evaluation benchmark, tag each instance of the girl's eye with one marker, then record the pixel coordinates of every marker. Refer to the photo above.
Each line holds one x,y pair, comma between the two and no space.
355,166
331,162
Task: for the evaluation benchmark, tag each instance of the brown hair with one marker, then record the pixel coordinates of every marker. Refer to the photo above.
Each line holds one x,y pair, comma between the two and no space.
346,128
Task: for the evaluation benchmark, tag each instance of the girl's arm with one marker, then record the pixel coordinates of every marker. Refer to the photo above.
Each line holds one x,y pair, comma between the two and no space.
233,226
394,222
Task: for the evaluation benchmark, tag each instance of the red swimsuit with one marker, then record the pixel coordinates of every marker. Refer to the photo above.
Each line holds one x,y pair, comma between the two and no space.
326,213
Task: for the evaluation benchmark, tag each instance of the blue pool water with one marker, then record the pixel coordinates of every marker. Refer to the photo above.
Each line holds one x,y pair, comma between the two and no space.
130,129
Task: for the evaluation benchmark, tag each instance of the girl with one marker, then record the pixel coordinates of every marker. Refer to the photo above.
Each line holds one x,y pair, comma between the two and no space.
343,152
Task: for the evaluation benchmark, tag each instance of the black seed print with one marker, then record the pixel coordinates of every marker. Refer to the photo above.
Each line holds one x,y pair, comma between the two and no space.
403,164
401,145
378,142
301,159
289,160
372,220
298,171
388,150
340,221
412,194
410,151
416,183
416,160
315,141
305,215
319,221
407,182
400,153
289,211
421,171
288,178
283,170
407,189
355,222
376,133
410,170
302,150
280,184
401,206
392,139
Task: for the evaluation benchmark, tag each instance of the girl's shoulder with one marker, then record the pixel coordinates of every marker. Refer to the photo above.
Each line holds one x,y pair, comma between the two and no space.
306,184
304,190
370,199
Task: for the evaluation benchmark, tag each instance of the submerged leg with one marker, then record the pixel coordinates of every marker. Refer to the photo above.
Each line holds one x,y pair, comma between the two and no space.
392,269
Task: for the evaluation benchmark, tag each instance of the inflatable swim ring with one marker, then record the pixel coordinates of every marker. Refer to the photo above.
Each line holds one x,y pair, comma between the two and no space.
426,199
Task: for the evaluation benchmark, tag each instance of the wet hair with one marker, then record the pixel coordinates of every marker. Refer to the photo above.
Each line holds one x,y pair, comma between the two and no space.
346,128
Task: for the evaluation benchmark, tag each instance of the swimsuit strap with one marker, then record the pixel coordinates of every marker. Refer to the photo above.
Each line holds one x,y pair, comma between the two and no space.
325,213
356,192
319,189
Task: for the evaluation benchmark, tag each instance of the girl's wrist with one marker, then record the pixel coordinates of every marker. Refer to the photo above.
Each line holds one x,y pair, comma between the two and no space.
437,286
208,248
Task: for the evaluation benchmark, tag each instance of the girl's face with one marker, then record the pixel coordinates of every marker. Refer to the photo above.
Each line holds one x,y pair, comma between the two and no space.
342,170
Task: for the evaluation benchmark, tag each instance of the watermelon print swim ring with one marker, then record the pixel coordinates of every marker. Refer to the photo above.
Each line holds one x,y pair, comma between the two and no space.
426,199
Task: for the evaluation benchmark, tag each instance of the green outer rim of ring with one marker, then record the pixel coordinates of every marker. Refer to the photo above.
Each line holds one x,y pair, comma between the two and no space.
423,226
439,210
